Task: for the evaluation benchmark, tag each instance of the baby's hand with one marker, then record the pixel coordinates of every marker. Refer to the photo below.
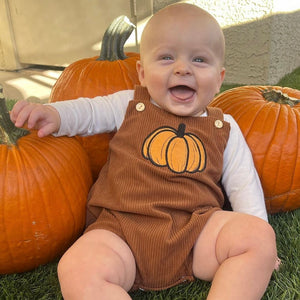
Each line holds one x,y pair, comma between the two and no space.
44,118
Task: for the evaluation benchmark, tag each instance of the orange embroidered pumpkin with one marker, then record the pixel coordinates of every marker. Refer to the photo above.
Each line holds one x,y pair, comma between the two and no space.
111,72
44,183
175,149
269,118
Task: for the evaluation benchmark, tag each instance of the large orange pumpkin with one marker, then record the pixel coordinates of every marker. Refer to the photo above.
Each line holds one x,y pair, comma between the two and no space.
44,183
111,72
269,117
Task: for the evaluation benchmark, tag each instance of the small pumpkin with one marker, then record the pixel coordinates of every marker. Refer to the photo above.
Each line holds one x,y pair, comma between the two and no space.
111,72
44,183
269,118
179,151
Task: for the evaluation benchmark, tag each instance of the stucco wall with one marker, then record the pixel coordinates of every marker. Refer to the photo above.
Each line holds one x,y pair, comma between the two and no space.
284,44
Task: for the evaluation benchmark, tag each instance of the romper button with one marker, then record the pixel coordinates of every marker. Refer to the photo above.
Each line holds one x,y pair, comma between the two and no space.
140,106
218,123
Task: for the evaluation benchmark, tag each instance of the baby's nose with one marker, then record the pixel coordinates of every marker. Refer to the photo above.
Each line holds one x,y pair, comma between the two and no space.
181,68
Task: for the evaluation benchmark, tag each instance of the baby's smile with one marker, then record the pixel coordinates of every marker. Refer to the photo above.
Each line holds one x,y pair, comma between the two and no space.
182,92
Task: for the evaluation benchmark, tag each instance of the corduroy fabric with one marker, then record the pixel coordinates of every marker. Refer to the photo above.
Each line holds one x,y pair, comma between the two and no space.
158,212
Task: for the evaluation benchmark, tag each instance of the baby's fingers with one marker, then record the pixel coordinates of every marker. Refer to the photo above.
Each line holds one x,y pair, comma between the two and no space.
46,130
25,112
35,115
16,110
44,118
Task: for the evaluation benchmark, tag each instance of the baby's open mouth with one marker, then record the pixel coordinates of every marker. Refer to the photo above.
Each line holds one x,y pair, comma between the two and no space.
182,92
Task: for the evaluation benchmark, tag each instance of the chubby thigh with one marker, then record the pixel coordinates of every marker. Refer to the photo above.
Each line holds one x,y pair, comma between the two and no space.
98,255
228,234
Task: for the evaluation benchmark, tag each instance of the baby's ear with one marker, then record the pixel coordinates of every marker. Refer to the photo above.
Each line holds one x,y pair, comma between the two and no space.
140,71
221,78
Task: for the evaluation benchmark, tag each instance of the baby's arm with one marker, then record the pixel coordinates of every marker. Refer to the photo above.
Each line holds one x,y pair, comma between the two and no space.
44,118
83,116
240,179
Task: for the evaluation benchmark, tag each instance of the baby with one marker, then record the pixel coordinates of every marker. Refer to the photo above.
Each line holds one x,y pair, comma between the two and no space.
157,204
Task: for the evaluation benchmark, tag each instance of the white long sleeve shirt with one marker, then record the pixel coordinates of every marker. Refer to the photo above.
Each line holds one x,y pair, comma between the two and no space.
85,116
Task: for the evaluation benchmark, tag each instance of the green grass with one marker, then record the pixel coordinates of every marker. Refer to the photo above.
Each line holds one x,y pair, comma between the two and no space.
291,80
42,283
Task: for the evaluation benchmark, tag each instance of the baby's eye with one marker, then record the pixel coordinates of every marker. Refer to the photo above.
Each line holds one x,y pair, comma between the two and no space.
166,57
198,59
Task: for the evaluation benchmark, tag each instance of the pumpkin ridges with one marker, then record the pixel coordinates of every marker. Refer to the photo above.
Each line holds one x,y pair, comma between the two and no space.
125,69
256,113
179,151
296,171
16,228
158,146
280,134
276,203
33,239
194,161
24,177
201,151
150,137
70,202
58,184
273,163
268,135
83,70
50,148
6,244
270,139
177,162
30,210
292,154
24,245
46,220
274,185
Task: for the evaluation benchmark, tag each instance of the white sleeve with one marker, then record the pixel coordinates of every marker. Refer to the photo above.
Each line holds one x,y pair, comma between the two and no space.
240,179
85,116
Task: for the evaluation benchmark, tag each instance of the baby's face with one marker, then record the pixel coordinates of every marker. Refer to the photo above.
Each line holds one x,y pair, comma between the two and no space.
181,63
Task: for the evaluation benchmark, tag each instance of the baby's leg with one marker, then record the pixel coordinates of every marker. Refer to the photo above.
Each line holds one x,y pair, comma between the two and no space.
237,252
99,265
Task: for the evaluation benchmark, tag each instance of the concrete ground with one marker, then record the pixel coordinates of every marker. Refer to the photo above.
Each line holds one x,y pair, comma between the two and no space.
32,83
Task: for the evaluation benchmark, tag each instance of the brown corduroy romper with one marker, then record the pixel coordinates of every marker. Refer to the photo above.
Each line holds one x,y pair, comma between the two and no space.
156,209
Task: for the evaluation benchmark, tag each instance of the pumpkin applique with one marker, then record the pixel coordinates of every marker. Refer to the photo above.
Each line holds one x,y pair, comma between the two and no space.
179,151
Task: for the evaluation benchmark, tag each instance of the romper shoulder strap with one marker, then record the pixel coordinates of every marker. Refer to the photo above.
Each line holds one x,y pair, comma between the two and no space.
215,112
141,93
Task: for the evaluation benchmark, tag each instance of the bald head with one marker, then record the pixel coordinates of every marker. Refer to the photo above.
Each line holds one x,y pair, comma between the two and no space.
184,19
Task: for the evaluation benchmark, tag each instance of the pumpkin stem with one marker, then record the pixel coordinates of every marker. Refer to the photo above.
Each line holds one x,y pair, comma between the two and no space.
181,130
9,133
278,96
114,39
